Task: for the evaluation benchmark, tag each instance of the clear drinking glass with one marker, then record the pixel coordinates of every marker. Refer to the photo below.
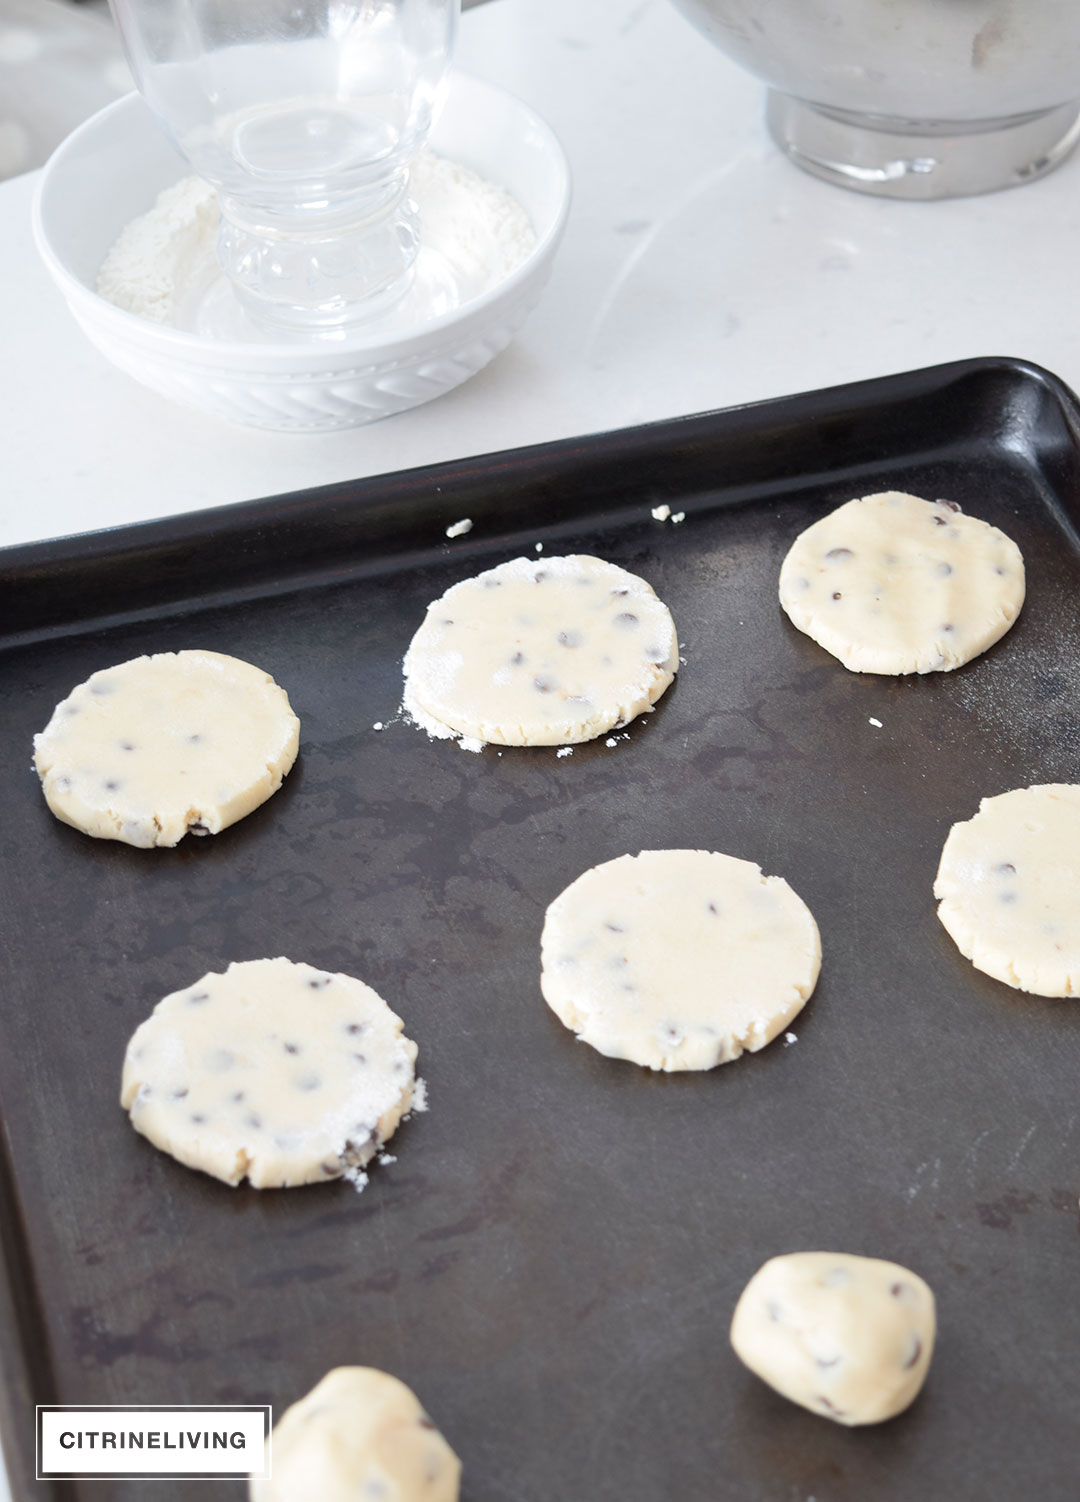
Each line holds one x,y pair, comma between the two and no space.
304,115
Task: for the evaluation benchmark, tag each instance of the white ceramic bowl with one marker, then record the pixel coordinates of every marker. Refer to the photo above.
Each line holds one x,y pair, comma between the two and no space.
112,168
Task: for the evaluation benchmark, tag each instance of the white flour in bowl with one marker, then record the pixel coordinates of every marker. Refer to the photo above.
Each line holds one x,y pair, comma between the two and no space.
166,257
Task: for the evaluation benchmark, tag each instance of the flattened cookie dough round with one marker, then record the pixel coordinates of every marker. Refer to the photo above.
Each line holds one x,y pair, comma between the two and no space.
848,1337
359,1434
540,652
151,749
273,1071
678,959
1009,888
894,584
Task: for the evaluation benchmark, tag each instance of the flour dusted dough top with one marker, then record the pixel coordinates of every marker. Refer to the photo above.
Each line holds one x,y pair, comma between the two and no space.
895,584
152,748
678,959
847,1337
359,1435
1009,888
541,652
274,1071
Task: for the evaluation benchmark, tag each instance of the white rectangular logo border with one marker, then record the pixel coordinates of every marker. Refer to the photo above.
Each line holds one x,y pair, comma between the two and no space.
265,1409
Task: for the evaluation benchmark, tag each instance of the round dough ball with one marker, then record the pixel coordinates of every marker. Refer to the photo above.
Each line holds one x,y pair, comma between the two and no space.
1009,888
274,1071
895,584
678,959
151,749
359,1436
540,652
848,1337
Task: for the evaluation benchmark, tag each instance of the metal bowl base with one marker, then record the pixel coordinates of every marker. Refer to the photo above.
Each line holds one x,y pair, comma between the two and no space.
921,160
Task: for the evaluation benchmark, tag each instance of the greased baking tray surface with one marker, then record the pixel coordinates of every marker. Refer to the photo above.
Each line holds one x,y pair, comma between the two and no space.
553,1260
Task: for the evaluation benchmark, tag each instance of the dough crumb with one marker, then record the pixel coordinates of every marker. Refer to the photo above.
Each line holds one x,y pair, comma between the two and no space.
385,1159
678,516
539,547
876,723
357,1178
565,751
661,513
790,1038
460,528
378,725
611,741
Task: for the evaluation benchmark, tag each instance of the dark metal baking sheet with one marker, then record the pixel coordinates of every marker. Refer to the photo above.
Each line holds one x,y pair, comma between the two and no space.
553,1260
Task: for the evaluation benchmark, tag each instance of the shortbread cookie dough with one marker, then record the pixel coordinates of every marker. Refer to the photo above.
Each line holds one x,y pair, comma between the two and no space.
678,959
848,1337
1009,888
895,584
153,748
360,1435
540,652
273,1071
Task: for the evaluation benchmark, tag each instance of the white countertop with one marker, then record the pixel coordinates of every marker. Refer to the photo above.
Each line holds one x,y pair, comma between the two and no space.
699,270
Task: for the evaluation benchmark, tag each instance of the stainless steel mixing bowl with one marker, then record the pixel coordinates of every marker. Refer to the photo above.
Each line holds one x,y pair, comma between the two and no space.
911,98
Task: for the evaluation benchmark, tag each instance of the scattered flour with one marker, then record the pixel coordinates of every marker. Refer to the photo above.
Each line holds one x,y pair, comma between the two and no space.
876,723
661,513
460,528
678,516
419,1096
565,751
163,252
378,725
435,728
167,255
790,1038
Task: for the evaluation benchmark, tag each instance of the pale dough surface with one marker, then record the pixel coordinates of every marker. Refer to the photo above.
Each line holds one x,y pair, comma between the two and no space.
895,584
273,1071
359,1435
1009,888
149,749
848,1337
678,959
541,652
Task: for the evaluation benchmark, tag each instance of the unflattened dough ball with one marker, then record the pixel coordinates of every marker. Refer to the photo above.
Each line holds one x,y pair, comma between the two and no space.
540,652
273,1071
1009,888
848,1337
895,584
678,959
153,748
359,1435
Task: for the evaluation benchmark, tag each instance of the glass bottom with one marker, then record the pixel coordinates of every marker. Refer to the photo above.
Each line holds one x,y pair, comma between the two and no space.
921,160
435,287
